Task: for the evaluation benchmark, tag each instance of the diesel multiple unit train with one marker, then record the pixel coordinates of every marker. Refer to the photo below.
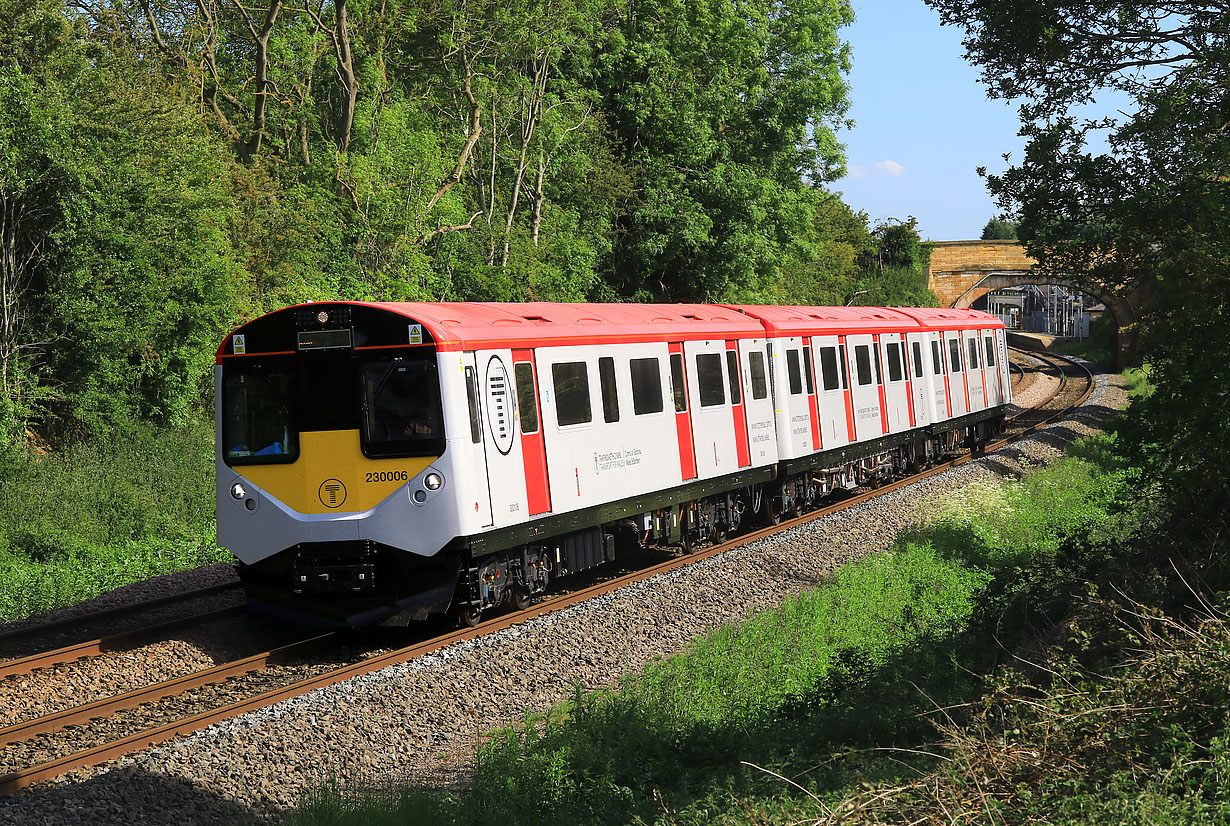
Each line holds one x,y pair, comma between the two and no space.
377,463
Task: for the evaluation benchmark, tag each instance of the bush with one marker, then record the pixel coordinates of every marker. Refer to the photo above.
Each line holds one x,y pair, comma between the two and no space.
101,515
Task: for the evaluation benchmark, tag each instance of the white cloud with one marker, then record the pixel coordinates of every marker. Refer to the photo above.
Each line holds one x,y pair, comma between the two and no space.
891,168
856,170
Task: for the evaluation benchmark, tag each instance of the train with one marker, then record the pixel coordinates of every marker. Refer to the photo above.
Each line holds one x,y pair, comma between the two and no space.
381,463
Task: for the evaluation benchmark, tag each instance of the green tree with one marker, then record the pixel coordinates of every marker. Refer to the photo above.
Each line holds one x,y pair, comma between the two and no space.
1145,214
893,268
724,113
999,229
119,264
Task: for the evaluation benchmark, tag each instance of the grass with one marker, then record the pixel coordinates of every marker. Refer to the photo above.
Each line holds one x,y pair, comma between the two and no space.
98,516
1138,384
788,715
1145,740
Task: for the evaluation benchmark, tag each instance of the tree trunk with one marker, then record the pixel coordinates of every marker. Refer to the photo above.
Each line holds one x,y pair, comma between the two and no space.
350,83
531,111
536,223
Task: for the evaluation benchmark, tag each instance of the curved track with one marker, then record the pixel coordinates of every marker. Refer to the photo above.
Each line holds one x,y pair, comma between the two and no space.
255,681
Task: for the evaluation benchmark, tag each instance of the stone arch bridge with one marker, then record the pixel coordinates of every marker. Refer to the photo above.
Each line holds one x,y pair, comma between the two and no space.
961,272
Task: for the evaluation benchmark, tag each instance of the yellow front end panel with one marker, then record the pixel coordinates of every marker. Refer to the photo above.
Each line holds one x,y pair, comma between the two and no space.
333,476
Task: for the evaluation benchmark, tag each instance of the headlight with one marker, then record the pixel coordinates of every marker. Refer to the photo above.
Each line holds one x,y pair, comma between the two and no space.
433,481
237,490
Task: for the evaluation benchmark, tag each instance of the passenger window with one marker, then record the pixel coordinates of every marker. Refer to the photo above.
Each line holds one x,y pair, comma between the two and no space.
732,375
527,399
678,389
828,367
918,364
709,379
845,377
571,381
610,393
954,356
476,424
990,351
759,388
879,375
811,383
937,363
646,386
973,354
862,364
894,361
792,368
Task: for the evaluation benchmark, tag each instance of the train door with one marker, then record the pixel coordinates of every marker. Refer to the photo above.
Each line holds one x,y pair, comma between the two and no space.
921,384
973,370
843,357
709,398
533,448
813,404
789,387
1005,373
832,386
866,387
990,369
482,502
958,384
896,383
758,402
683,420
941,387
734,383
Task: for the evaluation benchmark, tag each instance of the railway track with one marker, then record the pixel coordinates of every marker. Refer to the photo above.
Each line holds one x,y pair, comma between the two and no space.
141,717
131,619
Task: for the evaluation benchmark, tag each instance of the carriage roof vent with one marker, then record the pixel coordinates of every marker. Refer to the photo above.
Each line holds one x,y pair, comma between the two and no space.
536,318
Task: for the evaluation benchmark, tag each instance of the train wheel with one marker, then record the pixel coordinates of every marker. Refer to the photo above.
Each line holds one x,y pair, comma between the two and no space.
772,514
519,597
467,616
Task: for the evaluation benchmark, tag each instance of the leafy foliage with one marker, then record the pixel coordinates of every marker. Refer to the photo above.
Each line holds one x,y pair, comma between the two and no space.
169,169
998,229
1146,216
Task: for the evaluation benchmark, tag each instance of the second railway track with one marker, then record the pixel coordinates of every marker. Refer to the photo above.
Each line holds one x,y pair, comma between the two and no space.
250,683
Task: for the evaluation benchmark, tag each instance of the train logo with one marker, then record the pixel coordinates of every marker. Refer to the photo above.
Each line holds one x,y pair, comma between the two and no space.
499,404
332,493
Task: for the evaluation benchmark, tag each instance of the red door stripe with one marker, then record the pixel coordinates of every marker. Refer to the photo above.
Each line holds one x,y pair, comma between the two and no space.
981,343
533,448
742,451
964,369
947,371
683,420
813,407
909,385
842,350
875,343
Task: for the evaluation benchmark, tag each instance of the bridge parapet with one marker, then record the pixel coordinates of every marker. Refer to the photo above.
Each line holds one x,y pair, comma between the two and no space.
961,272
958,266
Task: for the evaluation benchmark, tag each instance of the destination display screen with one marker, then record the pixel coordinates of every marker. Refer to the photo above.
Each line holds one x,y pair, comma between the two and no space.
324,339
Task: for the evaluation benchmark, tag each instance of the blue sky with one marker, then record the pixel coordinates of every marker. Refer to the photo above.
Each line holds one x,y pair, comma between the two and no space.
923,123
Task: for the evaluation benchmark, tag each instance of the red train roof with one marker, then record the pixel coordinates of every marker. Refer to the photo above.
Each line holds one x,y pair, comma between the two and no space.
799,320
484,325
951,319
457,326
